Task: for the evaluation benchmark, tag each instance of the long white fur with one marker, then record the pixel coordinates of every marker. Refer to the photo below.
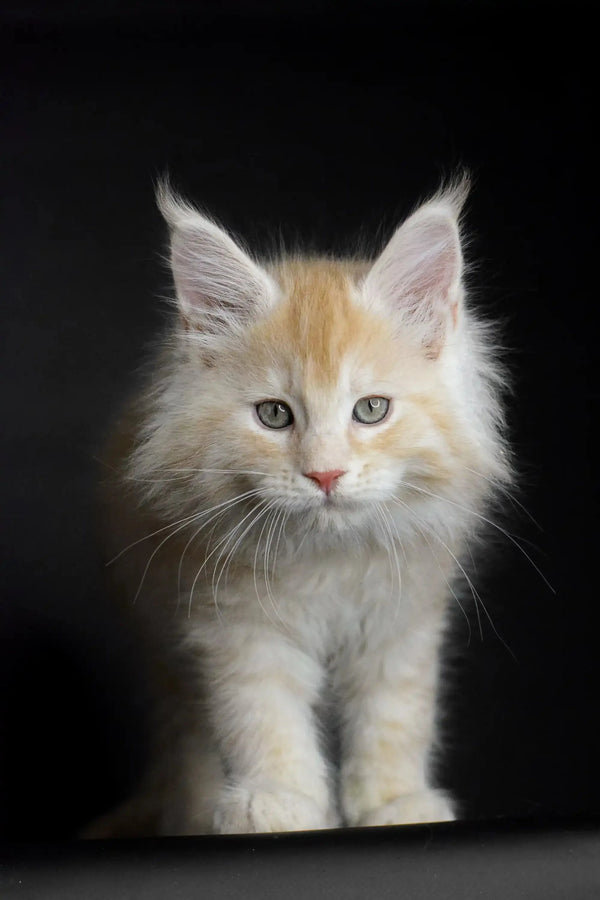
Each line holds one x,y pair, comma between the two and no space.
289,602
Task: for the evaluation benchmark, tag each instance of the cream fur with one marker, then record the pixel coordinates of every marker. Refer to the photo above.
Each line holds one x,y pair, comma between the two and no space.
268,609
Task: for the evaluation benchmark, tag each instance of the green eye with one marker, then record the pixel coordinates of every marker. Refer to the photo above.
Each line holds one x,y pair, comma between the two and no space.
274,413
370,410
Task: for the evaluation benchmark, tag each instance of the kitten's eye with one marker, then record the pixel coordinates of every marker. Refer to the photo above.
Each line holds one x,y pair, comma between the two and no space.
274,413
370,410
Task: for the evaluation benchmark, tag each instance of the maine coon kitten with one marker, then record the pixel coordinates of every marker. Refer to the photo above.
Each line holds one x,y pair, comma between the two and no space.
293,492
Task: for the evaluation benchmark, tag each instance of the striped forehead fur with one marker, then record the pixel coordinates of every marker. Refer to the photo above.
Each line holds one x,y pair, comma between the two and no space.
319,318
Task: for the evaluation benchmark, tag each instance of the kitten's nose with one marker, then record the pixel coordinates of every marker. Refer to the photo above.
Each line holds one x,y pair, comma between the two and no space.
325,480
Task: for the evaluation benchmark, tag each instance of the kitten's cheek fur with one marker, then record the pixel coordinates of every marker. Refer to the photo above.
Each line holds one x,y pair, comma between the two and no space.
267,808
410,809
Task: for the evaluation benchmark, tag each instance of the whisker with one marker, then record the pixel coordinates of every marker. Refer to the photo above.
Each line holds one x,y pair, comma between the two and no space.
483,518
185,520
263,509
495,483
153,554
180,528
284,519
390,543
254,574
152,534
186,470
476,595
423,533
276,530
214,518
277,525
211,554
268,522
271,521
204,565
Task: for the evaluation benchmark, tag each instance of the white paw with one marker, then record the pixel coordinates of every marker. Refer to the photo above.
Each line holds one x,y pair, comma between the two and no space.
249,810
420,806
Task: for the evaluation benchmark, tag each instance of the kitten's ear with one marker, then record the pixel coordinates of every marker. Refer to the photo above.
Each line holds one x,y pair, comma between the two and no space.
419,272
219,287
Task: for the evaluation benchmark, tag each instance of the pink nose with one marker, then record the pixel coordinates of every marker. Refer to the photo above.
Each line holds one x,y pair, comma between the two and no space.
325,480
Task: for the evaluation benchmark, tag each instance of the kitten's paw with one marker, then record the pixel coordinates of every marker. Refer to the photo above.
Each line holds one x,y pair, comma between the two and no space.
420,806
248,810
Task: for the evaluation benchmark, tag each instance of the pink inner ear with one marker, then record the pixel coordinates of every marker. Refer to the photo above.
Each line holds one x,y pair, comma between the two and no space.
454,313
427,259
418,274
440,272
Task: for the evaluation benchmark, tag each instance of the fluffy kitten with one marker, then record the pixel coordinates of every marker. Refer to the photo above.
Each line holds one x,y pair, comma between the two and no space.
294,489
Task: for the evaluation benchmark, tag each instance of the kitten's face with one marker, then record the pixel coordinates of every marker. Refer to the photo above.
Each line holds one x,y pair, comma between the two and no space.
328,403
330,390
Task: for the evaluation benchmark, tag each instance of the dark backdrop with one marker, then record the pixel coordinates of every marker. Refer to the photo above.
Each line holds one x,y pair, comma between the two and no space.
321,121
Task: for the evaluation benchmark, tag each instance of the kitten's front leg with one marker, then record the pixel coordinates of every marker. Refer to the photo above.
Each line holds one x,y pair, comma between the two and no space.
263,691
388,693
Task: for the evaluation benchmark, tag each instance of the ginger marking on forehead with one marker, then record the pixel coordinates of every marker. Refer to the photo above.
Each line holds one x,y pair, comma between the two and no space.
319,318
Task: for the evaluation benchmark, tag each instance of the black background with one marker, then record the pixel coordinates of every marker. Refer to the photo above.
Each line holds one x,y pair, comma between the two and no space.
320,121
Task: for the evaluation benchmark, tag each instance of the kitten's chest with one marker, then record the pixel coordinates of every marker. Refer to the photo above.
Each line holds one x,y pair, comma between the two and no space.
323,604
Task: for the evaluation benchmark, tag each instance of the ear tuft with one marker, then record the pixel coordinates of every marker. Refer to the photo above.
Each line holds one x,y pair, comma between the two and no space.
219,287
452,195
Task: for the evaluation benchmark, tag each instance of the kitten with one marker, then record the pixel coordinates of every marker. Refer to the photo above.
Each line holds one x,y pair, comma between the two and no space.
294,489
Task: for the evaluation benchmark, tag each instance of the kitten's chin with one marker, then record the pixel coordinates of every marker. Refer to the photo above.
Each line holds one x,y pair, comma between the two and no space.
333,515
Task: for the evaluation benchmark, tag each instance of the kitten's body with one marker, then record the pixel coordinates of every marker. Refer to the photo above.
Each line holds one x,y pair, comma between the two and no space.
274,568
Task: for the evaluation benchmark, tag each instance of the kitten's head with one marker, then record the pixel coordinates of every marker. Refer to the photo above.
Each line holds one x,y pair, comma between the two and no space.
328,389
